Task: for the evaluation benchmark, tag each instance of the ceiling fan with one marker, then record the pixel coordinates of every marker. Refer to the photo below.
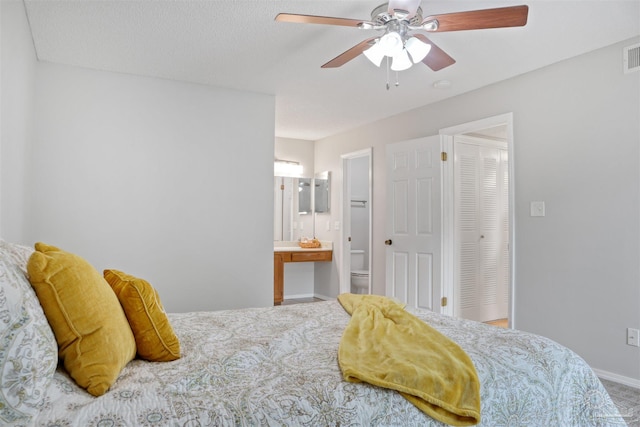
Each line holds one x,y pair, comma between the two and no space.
400,20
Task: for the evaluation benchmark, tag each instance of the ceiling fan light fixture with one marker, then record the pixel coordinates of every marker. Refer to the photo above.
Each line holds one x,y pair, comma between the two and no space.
375,54
391,44
397,18
417,49
401,61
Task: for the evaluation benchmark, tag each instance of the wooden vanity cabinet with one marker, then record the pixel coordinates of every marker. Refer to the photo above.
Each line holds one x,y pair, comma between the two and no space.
280,257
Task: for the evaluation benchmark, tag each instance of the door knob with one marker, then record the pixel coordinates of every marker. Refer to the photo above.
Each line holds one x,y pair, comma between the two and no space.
388,242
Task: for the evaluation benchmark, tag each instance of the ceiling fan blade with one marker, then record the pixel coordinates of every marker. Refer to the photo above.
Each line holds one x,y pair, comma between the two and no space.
312,19
513,16
436,59
348,55
409,5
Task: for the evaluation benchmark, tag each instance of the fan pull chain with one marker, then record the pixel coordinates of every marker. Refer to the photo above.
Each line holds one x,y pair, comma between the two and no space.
388,74
387,58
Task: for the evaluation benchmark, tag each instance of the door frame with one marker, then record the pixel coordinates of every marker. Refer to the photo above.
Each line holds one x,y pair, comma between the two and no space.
345,247
448,203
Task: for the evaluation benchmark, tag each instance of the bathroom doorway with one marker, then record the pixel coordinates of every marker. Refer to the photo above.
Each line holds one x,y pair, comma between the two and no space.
357,222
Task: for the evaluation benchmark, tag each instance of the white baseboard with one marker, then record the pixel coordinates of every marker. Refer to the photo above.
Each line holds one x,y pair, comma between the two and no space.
298,296
302,296
621,379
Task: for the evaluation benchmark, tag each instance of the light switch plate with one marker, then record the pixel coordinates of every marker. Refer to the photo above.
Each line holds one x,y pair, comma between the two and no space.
537,209
633,337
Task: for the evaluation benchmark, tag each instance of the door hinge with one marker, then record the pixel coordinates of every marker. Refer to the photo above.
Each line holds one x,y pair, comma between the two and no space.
443,302
443,156
282,186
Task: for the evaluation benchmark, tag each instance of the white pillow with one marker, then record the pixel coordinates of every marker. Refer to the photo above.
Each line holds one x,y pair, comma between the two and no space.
15,253
28,348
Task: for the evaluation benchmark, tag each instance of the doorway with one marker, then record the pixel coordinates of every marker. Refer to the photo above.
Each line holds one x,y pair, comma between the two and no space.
461,284
357,220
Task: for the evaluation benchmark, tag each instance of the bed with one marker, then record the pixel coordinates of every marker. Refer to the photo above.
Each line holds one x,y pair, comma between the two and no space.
278,366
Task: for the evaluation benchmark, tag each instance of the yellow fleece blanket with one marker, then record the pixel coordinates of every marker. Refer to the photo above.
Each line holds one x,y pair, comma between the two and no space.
386,346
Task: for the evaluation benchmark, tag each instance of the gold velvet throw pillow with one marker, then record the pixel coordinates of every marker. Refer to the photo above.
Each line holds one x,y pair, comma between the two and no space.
94,339
154,335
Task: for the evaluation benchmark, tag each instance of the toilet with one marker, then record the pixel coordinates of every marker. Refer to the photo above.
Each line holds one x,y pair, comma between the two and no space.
359,275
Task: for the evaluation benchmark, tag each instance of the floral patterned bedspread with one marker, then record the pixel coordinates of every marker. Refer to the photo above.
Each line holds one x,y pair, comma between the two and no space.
278,366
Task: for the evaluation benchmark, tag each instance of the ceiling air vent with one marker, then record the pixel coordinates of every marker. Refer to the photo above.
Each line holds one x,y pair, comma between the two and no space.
631,58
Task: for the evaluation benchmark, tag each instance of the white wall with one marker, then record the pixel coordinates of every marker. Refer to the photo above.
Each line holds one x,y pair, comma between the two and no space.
158,178
577,147
17,94
297,150
154,177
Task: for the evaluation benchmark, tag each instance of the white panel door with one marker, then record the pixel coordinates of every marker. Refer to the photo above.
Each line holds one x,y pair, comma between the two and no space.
482,230
413,251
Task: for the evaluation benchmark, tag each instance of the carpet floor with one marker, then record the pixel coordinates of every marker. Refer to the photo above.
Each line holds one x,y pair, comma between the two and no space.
627,399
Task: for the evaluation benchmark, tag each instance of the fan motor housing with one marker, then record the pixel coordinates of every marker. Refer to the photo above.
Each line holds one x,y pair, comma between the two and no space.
381,16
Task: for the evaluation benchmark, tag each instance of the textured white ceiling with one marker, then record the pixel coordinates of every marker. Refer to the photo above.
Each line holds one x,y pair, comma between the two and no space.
238,45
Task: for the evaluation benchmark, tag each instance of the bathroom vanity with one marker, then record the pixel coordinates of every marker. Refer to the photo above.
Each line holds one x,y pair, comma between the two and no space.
291,252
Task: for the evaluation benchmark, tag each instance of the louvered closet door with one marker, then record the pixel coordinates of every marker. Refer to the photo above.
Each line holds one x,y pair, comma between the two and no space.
482,224
505,272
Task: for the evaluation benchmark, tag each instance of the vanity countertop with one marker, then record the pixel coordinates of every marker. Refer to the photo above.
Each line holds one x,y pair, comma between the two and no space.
282,246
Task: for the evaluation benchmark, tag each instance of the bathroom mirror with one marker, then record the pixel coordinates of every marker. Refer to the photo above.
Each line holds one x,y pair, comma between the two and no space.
304,196
290,219
322,195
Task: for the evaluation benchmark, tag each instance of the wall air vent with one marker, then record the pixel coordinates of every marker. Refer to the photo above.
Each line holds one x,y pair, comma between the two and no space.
631,58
